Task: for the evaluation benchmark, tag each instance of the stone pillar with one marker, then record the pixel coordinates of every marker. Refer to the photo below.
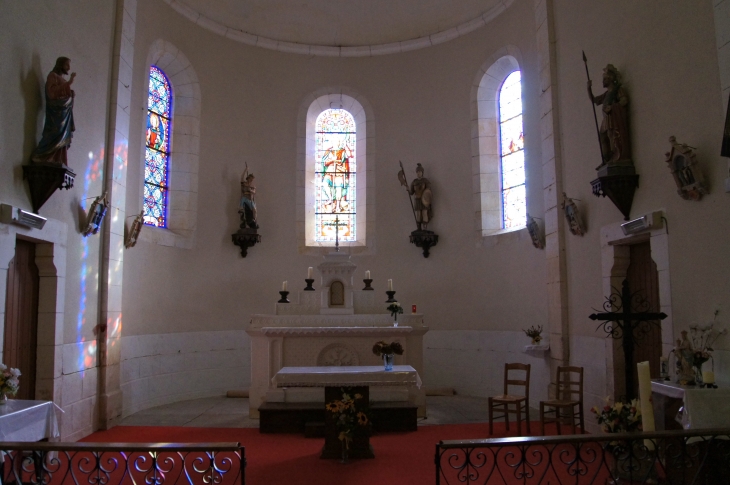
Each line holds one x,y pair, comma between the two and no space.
112,245
552,189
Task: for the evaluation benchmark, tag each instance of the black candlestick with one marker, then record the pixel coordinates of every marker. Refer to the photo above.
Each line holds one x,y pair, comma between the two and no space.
284,298
390,299
309,284
367,282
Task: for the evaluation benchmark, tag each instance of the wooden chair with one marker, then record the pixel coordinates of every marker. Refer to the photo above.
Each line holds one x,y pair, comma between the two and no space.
569,395
511,403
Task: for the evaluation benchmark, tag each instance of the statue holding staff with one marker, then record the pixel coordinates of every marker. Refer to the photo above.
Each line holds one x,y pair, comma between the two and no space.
59,124
420,189
247,207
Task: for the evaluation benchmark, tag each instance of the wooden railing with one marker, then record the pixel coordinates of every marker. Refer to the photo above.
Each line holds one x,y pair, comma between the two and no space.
122,463
667,457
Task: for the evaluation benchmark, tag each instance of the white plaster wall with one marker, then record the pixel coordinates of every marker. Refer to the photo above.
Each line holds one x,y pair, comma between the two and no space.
590,353
162,368
472,362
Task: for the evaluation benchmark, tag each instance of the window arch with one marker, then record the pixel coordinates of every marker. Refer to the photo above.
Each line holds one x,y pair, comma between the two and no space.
157,148
512,153
495,186
335,177
336,131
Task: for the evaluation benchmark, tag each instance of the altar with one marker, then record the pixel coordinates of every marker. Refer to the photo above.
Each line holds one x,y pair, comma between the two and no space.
333,324
701,408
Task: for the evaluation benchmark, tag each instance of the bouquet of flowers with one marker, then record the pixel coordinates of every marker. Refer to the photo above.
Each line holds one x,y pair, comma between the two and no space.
350,415
534,333
394,309
622,417
9,383
703,338
381,348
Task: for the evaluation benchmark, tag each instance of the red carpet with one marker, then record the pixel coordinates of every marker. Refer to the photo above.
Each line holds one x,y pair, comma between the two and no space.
400,458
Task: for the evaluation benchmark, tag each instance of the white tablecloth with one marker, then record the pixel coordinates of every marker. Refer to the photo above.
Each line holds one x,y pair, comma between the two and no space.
703,408
24,420
363,375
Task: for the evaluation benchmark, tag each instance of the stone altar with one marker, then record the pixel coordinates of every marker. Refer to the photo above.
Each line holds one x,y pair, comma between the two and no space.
333,325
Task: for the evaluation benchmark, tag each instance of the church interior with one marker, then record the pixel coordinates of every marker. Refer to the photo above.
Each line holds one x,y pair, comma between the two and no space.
176,291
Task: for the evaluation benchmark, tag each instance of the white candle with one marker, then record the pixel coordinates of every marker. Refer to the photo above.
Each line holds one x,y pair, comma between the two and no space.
309,273
708,377
283,286
367,274
647,409
390,285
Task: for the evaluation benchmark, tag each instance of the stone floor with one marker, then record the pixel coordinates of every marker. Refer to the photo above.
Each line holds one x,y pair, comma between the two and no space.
224,412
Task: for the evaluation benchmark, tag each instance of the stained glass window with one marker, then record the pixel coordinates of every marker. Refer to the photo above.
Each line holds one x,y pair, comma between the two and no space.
157,152
512,152
334,176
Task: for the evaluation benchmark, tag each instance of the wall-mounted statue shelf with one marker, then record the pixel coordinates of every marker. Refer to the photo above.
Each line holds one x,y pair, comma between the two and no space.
424,240
246,238
618,182
44,179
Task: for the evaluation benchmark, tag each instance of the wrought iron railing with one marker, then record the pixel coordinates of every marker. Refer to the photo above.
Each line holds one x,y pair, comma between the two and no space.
122,464
666,457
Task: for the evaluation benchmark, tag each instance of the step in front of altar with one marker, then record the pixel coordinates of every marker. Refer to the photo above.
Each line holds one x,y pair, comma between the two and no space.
308,417
316,394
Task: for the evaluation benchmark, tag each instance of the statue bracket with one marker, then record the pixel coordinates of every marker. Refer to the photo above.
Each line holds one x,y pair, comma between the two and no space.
44,179
246,238
424,240
618,183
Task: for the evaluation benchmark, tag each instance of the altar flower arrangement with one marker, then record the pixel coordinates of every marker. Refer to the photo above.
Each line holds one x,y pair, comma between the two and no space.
350,413
394,309
703,339
9,382
534,333
382,348
621,417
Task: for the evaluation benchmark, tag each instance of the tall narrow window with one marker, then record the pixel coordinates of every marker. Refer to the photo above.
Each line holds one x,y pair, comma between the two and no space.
157,152
334,176
512,153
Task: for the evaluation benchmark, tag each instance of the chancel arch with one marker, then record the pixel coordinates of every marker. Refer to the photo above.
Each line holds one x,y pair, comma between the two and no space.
182,201
342,103
487,152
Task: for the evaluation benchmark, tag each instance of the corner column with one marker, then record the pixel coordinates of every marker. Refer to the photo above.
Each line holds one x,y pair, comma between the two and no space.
557,288
112,249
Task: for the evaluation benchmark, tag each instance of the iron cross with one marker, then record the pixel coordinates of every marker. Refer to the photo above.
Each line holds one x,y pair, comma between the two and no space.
627,321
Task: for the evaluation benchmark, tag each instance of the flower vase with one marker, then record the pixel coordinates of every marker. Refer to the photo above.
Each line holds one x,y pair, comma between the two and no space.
536,340
698,375
388,361
3,398
395,319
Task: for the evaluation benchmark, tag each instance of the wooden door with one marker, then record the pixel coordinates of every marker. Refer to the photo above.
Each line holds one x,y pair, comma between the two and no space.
21,317
644,283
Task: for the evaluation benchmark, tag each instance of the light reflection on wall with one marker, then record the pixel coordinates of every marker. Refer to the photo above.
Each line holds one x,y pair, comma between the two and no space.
92,174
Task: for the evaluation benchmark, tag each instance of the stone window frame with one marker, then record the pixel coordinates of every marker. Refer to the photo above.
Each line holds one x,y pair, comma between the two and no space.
486,160
311,107
182,205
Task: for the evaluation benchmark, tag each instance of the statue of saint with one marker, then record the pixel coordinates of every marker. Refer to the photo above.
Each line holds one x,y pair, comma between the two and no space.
614,131
571,214
685,358
59,125
421,192
247,207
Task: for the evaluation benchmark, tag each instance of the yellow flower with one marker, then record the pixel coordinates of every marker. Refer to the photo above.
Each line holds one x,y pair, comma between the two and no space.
358,396
332,406
362,419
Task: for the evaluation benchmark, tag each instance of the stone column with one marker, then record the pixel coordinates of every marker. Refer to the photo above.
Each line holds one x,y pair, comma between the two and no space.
112,245
552,189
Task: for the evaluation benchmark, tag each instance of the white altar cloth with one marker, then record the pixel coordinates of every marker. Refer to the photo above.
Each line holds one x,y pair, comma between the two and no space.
367,375
703,408
25,420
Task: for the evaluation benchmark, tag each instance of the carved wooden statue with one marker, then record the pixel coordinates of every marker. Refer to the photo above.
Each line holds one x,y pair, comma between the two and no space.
59,125
614,130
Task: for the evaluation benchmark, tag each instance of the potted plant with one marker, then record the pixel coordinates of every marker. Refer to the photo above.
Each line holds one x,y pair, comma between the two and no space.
394,309
387,351
534,333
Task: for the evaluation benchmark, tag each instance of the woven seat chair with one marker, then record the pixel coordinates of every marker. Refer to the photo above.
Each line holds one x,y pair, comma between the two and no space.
569,396
507,403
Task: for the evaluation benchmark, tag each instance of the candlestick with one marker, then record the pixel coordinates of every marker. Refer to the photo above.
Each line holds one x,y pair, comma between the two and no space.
390,294
390,285
367,274
647,409
309,284
283,286
284,298
708,377
309,272
367,282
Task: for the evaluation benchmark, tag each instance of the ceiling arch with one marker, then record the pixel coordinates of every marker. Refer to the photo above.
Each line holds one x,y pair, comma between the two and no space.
352,28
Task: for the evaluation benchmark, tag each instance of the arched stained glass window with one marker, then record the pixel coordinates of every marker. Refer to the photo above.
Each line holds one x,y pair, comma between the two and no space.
512,153
157,151
334,176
